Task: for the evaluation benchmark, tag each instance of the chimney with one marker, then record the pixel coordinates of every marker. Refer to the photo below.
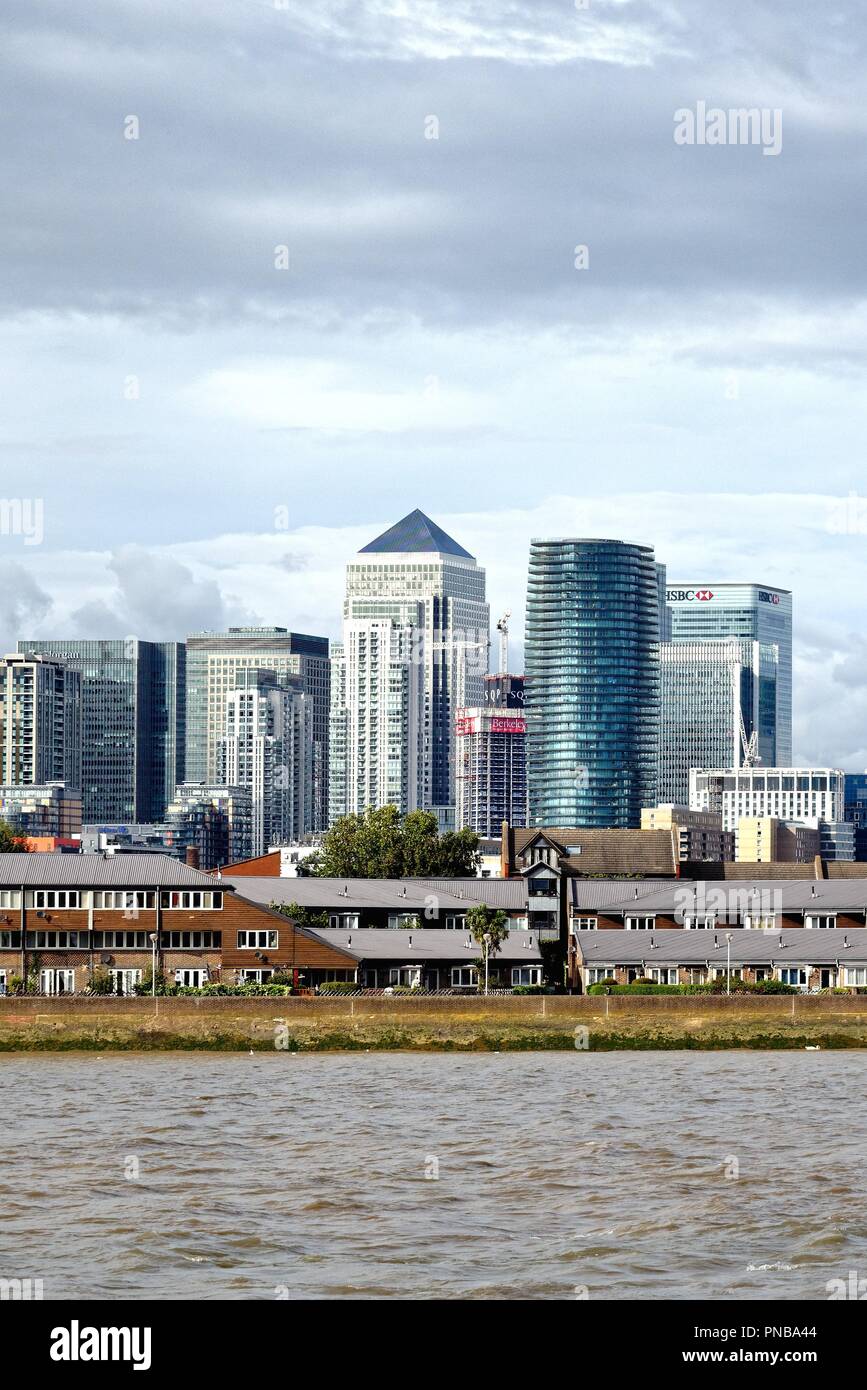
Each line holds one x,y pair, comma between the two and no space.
192,857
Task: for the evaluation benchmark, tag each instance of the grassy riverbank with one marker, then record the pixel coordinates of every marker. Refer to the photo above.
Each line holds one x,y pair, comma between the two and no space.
375,1023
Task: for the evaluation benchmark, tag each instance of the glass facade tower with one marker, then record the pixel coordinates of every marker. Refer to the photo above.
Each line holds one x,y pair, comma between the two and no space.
698,612
592,682
132,697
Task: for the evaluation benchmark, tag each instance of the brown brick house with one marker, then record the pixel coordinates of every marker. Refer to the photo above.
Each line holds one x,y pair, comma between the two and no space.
64,917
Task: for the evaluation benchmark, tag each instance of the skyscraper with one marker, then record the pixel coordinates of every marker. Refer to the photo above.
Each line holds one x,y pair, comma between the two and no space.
268,749
592,682
707,691
491,759
415,647
132,696
214,660
702,612
40,722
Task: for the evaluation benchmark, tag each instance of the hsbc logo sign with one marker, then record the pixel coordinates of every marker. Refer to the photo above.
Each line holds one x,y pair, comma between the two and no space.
765,597
687,595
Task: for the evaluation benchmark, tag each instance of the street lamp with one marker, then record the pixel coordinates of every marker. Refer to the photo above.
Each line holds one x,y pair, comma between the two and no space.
487,940
728,962
153,940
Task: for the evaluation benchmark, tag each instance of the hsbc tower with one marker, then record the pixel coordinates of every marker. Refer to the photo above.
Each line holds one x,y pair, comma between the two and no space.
701,611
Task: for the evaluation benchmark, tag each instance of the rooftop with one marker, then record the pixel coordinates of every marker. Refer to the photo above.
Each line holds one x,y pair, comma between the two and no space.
396,894
417,947
415,534
51,870
793,946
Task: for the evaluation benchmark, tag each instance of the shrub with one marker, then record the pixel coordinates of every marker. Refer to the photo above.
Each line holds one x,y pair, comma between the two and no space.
338,987
530,989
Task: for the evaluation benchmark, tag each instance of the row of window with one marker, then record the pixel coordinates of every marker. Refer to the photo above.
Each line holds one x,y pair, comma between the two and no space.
788,975
197,899
709,922
114,940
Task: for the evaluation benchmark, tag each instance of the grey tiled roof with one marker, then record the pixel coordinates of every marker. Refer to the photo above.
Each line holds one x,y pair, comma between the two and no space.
48,870
395,894
721,895
795,945
430,944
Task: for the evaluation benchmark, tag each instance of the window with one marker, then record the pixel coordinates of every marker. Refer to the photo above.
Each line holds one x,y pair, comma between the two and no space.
258,977
57,981
464,976
2,982
663,975
761,972
719,972
705,922
124,981
194,900
124,900
56,897
9,897
585,923
640,923
597,973
191,940
792,975
347,920
760,923
10,940
541,887
112,940
257,940
397,920
57,940
856,975
191,979
526,975
821,922
457,923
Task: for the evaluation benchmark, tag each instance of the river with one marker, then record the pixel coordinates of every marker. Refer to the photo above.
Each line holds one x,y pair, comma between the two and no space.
544,1176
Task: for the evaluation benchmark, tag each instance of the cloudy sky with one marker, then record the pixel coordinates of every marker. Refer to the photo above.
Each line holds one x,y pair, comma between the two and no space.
275,273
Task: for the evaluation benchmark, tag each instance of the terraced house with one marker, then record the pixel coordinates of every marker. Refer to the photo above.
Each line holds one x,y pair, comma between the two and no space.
65,918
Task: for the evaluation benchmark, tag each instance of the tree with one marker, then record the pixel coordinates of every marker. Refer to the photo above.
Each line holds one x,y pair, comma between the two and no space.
382,844
485,921
10,843
301,916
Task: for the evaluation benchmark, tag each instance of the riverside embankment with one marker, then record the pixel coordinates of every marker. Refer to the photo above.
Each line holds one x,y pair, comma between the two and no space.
548,1022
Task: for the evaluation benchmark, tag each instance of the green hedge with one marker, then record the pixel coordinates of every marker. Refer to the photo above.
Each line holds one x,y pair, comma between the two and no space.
715,987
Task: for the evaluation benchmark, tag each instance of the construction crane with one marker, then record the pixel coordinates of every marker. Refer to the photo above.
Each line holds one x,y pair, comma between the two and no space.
503,630
749,746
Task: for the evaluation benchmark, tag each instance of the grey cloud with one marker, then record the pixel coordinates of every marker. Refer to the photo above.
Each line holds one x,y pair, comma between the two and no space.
22,603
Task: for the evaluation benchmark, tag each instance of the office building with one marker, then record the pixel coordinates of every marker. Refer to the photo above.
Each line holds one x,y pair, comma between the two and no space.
40,722
415,649
698,836
855,810
757,612
214,660
267,748
767,840
592,682
491,759
132,697
715,696
214,822
38,811
802,794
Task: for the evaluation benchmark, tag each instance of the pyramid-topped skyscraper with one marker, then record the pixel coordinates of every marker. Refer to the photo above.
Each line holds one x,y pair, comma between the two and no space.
415,649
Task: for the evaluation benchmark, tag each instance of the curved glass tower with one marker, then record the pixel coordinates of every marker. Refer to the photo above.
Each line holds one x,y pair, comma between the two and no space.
592,683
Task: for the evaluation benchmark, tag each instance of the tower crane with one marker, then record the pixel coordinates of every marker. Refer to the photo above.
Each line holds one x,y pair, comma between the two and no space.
503,630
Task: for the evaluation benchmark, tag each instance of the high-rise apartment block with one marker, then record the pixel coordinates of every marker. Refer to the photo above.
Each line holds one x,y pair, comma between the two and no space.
267,748
214,661
592,673
491,759
40,722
